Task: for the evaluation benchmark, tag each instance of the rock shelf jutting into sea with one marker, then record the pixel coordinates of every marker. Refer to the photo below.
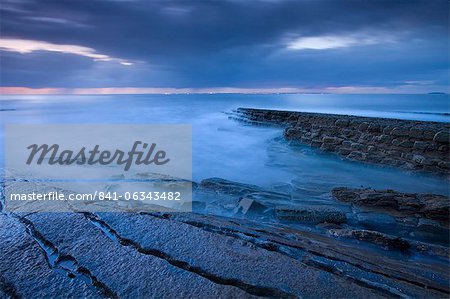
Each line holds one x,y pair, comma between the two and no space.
412,145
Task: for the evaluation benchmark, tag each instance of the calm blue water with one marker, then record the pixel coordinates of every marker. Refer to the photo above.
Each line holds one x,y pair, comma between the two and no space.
227,149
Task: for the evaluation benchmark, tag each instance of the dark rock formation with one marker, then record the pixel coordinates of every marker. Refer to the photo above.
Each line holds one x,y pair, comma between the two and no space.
384,240
412,145
390,242
430,206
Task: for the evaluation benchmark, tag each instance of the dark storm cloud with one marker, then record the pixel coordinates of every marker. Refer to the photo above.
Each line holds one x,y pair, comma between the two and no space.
232,43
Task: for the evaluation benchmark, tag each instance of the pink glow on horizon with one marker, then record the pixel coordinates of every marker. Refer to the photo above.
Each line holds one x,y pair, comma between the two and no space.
27,90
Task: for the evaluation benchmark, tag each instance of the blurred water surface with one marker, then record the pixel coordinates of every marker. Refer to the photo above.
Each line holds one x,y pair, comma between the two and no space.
227,149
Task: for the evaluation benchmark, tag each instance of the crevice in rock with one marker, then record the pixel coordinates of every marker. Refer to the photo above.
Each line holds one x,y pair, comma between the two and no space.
381,289
249,288
65,264
282,248
270,246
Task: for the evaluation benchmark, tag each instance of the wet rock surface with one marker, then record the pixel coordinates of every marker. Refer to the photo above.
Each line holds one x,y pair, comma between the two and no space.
27,271
412,145
243,241
184,255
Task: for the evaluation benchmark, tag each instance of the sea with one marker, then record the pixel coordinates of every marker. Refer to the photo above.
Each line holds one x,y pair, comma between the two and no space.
225,148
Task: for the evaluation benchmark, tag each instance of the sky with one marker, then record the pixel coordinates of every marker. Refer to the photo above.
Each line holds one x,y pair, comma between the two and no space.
132,46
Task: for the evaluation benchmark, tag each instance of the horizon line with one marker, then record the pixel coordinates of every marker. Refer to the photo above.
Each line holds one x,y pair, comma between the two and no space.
403,89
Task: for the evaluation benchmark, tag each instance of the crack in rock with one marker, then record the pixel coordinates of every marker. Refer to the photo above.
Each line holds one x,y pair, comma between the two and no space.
282,248
267,245
65,263
379,288
249,288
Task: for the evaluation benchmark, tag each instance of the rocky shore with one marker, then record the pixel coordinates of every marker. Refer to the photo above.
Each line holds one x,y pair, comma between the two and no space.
419,220
242,241
412,145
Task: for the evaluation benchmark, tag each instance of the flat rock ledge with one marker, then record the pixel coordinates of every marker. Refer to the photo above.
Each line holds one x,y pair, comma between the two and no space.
184,255
273,246
412,145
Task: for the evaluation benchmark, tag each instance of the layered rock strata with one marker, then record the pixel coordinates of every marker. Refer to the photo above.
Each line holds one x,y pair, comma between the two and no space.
413,145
